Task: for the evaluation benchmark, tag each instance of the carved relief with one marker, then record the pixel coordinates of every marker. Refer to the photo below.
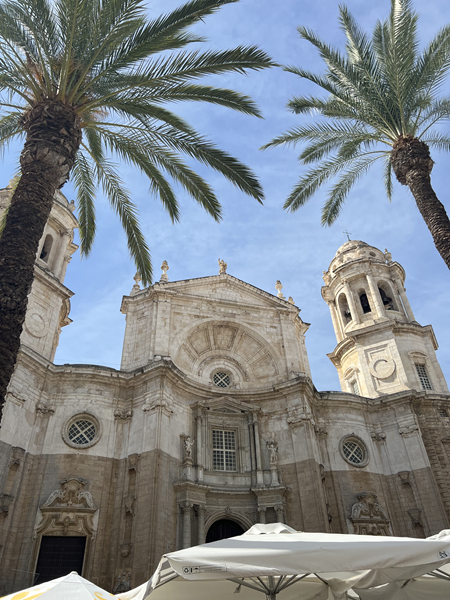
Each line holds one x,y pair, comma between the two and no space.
378,436
69,510
123,582
71,494
382,367
44,409
15,398
408,430
35,324
300,415
133,460
17,455
5,501
123,415
158,403
368,516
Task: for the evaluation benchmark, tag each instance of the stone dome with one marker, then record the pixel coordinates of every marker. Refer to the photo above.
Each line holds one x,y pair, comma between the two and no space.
355,250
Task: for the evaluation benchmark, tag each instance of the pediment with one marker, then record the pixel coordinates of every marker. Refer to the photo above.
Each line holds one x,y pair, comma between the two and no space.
225,404
227,288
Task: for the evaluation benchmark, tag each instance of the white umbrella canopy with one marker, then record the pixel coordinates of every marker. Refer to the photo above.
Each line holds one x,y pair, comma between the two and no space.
69,587
285,565
433,586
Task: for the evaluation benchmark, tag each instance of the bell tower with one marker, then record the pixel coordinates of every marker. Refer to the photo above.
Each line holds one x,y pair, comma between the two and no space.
49,300
381,348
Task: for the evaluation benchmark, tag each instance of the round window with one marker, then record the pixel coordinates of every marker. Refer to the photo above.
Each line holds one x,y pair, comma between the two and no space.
354,451
81,431
221,379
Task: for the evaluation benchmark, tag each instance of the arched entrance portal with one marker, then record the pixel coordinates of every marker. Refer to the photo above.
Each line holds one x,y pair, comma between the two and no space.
222,529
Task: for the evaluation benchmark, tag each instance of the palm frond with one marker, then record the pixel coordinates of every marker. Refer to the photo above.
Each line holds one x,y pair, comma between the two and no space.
380,88
437,140
341,189
83,178
387,177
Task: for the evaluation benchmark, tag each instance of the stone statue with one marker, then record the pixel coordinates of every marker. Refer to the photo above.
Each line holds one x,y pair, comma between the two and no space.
273,449
387,255
188,443
326,278
222,267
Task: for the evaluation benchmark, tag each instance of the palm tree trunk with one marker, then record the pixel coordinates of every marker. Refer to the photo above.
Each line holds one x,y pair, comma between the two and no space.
412,164
53,138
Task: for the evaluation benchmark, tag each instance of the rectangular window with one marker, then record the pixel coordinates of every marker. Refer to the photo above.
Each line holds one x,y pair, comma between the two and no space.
423,376
443,413
355,387
224,450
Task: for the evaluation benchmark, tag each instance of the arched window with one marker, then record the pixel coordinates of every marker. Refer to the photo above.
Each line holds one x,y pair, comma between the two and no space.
223,529
345,311
386,296
364,302
46,248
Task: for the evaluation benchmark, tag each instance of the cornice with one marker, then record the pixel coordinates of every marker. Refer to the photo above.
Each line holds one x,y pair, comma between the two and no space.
351,338
173,287
43,274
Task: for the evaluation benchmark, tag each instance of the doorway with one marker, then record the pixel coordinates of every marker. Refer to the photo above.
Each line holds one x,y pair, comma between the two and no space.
222,529
58,556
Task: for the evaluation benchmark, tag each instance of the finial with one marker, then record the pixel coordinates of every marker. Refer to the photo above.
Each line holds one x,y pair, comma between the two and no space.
291,300
72,206
136,287
222,267
164,268
387,255
279,287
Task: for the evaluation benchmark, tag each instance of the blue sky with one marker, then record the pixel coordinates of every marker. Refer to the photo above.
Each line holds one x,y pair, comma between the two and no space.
262,243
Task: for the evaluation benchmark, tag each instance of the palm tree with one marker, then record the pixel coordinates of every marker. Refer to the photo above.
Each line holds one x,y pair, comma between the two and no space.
382,103
87,81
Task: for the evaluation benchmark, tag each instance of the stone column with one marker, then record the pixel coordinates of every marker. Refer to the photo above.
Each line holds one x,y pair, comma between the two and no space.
404,299
280,514
261,515
351,303
259,473
201,523
199,448
186,509
335,321
64,238
375,295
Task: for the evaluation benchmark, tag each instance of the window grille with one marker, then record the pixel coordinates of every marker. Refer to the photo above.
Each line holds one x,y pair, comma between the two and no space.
353,452
221,379
82,432
443,413
423,376
224,450
355,387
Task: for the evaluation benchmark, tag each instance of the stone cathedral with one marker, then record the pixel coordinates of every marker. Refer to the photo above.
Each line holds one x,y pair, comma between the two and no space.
212,423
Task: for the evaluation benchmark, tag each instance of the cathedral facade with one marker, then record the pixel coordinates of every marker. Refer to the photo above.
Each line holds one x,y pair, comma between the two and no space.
213,423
